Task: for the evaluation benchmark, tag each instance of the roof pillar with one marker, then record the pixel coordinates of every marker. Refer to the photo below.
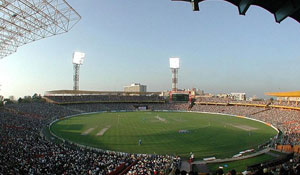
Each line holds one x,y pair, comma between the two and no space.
290,7
195,5
244,5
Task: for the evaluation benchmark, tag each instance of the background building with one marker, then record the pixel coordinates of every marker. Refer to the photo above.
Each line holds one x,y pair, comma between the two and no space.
135,87
238,96
222,95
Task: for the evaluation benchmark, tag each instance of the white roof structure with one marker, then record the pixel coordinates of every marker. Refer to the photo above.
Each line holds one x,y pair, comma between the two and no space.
25,21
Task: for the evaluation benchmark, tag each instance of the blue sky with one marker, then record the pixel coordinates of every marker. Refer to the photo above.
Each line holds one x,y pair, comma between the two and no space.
131,41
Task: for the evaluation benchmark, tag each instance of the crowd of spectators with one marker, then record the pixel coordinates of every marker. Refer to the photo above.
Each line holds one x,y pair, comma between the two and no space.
24,150
259,102
151,164
94,107
286,103
213,99
126,106
106,98
287,121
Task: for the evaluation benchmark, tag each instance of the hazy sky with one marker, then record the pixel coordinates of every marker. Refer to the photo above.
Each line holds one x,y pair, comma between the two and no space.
131,41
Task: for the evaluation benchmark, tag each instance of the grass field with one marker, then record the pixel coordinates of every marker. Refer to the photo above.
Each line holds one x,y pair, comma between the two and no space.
207,134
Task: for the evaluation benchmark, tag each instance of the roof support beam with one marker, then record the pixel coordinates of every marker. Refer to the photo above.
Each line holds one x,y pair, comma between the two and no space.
24,21
290,7
244,6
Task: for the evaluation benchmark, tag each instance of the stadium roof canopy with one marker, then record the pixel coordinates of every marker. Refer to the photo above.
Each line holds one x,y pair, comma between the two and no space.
25,21
281,9
284,94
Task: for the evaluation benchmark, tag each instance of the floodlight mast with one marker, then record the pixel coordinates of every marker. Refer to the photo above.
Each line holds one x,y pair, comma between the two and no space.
76,77
174,65
174,79
77,61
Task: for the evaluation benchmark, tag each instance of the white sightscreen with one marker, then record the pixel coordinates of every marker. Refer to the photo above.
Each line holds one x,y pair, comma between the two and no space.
174,63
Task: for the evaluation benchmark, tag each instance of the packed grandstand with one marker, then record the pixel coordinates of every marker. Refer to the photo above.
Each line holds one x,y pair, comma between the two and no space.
27,145
27,148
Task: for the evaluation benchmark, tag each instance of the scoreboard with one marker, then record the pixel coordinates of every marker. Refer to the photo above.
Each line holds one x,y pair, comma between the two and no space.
180,97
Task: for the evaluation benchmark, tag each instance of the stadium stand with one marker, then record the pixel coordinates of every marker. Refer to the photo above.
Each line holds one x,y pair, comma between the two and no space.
78,99
24,149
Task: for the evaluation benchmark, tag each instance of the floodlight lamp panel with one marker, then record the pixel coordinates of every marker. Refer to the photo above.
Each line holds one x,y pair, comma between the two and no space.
78,57
174,63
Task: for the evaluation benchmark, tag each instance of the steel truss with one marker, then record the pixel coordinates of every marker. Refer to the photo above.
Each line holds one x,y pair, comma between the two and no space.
25,21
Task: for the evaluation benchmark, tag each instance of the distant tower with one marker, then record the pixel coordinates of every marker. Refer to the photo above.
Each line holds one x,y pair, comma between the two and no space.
174,65
78,58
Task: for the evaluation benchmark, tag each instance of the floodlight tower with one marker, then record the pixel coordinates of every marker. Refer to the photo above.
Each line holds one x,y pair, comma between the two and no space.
174,65
78,58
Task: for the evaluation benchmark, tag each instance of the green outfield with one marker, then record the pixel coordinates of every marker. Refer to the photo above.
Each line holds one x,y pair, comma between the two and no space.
173,133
